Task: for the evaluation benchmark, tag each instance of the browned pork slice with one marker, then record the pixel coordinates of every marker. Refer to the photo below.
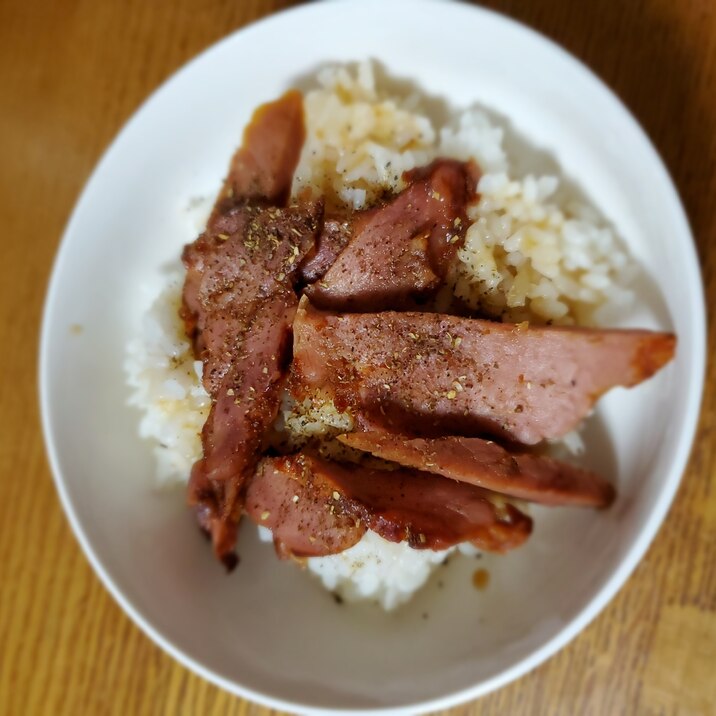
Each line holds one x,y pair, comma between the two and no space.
399,252
239,306
252,254
261,171
316,507
536,478
334,236
433,374
294,498
245,402
453,185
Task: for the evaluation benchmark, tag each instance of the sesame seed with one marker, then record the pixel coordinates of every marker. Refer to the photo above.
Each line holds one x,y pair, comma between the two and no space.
265,515
336,495
451,395
295,498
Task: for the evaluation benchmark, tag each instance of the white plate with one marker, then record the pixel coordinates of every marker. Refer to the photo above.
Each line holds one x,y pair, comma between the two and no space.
269,632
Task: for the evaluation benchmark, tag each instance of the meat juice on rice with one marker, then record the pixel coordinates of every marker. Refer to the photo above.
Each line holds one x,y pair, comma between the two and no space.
527,256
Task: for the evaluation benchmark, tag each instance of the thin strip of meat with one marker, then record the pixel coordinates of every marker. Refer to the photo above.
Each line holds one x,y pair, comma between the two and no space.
431,374
238,307
535,478
261,170
400,252
239,297
316,507
245,403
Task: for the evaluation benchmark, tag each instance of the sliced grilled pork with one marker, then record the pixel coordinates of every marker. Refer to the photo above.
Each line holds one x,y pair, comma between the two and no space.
316,507
293,497
535,478
432,374
261,170
253,254
240,305
399,252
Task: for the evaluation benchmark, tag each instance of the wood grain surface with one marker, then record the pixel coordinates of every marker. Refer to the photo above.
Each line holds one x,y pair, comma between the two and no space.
71,73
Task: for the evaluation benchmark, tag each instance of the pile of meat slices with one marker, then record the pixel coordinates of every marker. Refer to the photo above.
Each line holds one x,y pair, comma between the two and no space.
281,296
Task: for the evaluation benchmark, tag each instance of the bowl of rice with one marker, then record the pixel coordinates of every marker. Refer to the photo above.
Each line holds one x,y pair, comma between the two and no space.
576,223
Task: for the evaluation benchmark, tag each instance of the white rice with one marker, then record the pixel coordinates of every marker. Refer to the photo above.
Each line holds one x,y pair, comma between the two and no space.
166,386
527,256
387,573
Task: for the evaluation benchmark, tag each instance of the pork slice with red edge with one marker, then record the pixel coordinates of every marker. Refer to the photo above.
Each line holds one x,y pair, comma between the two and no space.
317,507
255,253
261,170
430,374
401,252
239,306
293,498
523,475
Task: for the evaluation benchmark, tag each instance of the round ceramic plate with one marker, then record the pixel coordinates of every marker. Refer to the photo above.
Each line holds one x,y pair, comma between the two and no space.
268,632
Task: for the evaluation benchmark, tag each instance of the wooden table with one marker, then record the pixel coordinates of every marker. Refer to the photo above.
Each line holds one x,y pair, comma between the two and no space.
71,73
